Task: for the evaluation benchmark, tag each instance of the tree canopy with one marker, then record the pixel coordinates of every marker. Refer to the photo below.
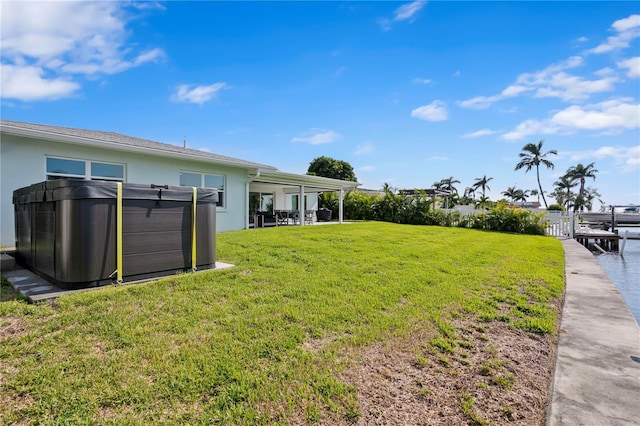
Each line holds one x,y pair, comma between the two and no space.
331,168
532,156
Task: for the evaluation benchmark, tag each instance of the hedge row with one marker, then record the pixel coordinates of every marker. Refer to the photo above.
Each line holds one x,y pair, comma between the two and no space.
419,209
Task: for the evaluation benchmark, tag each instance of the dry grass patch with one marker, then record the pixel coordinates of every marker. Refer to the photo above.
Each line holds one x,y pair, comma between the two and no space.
401,381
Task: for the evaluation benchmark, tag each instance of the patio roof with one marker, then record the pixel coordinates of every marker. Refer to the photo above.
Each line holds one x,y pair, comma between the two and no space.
295,181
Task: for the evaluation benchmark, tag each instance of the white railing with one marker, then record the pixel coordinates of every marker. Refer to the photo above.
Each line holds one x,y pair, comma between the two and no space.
560,224
556,223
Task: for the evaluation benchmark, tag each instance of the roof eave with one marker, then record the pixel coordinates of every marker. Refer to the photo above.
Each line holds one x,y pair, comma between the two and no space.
87,141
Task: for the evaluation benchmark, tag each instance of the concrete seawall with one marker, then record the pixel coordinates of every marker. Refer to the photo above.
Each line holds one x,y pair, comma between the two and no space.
597,373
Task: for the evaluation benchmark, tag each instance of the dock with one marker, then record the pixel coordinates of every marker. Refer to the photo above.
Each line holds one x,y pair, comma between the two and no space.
604,241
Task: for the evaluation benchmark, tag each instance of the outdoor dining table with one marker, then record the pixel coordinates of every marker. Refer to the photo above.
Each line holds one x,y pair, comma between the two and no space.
284,217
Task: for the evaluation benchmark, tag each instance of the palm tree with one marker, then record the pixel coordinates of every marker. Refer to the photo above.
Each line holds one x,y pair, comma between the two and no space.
470,192
521,195
565,183
468,197
510,193
532,155
581,173
535,193
483,202
482,184
589,195
447,185
516,194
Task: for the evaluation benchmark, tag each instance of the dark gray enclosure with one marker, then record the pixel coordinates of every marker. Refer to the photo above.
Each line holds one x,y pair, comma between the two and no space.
66,230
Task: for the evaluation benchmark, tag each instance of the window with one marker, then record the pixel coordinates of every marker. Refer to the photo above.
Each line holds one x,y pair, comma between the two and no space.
65,168
203,180
260,202
294,202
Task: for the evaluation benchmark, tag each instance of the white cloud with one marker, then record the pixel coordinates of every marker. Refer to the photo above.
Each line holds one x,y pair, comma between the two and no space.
531,127
632,65
435,111
569,88
604,115
626,24
27,83
56,41
603,72
514,90
422,81
627,29
479,102
629,157
480,133
582,39
612,116
553,81
542,77
197,94
484,102
633,157
144,5
318,137
364,148
408,11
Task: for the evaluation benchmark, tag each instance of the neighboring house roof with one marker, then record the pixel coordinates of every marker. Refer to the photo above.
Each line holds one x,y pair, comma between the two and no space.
427,191
259,172
119,141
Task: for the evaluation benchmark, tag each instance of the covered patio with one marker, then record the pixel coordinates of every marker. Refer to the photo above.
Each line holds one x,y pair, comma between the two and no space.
277,198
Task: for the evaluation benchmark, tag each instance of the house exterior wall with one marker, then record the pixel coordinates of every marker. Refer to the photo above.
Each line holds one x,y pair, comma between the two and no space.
22,163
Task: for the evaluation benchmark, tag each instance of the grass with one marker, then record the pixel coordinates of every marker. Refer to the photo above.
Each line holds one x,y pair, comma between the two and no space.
7,292
265,342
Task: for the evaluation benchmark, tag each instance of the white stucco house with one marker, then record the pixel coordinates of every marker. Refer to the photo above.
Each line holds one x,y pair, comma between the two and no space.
31,153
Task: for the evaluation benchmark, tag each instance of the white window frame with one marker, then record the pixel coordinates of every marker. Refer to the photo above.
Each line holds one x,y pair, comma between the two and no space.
222,193
87,169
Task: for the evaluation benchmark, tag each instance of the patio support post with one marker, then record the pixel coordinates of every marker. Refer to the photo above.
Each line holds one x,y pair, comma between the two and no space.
341,206
246,206
301,206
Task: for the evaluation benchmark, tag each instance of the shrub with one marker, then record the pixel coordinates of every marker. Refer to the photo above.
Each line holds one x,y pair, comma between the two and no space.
418,209
556,207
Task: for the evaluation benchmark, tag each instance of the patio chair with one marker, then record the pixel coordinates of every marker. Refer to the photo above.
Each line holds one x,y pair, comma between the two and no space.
308,217
282,217
295,215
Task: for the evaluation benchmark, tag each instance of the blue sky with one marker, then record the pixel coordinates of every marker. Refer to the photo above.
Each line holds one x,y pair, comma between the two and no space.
407,92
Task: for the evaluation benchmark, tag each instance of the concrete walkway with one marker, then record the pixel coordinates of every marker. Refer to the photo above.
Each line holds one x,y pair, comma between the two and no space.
597,375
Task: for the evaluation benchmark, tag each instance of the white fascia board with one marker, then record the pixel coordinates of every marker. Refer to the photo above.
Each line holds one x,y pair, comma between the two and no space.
85,141
313,182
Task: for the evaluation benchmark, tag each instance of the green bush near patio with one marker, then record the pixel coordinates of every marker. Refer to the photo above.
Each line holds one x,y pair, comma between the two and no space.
265,341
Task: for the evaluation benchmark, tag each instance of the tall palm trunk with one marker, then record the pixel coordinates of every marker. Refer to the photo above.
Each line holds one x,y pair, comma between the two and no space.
540,186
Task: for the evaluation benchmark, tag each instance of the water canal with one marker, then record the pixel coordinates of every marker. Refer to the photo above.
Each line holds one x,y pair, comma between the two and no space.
624,271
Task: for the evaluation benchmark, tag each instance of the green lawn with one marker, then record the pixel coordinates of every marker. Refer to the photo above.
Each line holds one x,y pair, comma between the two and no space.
264,342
